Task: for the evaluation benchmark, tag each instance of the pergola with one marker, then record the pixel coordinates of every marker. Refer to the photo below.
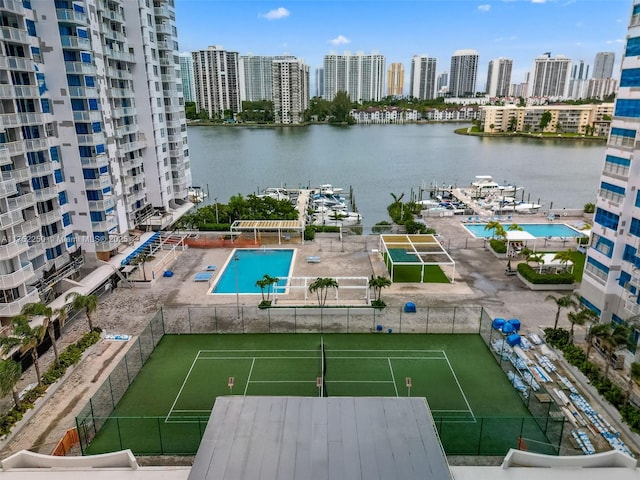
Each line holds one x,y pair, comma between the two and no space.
283,228
416,250
519,236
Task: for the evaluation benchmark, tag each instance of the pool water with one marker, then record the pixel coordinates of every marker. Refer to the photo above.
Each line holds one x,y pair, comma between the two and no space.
538,230
251,265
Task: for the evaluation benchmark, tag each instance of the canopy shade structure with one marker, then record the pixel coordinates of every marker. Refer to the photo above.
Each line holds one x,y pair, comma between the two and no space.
547,262
283,228
416,250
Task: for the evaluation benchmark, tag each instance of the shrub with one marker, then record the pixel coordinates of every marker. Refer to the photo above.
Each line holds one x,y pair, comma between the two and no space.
379,304
532,276
589,207
309,233
498,246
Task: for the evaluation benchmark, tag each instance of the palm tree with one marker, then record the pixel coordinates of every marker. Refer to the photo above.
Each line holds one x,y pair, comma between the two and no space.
378,283
88,303
565,301
321,287
27,338
266,282
634,376
497,230
611,337
10,373
141,259
564,257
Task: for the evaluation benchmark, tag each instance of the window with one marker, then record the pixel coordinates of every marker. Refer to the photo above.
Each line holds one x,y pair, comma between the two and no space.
617,165
624,279
630,77
93,104
31,28
611,192
602,245
89,81
622,137
633,47
597,269
71,241
606,219
85,57
100,149
97,216
90,173
54,153
35,53
634,228
627,108
96,127
590,306
62,198
66,219
93,195
57,174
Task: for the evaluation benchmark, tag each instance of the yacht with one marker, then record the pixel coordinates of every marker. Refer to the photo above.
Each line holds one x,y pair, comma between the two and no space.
484,186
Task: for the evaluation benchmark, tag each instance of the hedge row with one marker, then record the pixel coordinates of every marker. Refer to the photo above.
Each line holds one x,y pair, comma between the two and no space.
68,357
532,276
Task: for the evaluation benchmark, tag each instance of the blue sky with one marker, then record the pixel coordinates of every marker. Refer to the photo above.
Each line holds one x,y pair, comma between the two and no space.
399,29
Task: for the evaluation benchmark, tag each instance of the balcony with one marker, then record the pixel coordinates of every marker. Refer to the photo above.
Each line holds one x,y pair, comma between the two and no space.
107,245
14,308
14,148
131,146
19,91
21,202
95,162
35,250
165,29
53,240
83,92
113,15
12,6
13,249
50,217
112,34
11,219
102,205
70,41
8,187
9,120
31,118
80,67
129,181
163,12
118,55
91,139
37,144
14,34
87,116
27,227
98,183
119,73
121,93
165,45
21,174
72,16
17,278
105,225
126,130
120,112
130,163
41,169
45,194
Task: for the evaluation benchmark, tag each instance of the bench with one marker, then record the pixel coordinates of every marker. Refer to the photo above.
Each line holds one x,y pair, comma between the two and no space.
313,259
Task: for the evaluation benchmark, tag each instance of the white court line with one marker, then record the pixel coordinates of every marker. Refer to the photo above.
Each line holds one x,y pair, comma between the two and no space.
329,357
283,381
385,350
182,387
246,387
192,411
461,390
362,381
315,357
252,350
393,377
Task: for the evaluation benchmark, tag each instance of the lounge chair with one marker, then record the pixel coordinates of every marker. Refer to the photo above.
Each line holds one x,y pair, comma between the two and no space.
313,259
203,277
210,268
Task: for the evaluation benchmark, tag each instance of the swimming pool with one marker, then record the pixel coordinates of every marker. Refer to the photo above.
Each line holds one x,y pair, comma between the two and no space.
538,230
251,265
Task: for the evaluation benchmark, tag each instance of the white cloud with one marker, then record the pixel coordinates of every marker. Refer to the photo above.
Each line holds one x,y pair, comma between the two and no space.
538,1
339,40
484,8
276,14
617,40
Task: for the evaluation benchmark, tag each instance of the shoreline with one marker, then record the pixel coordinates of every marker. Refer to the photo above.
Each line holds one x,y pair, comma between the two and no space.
533,136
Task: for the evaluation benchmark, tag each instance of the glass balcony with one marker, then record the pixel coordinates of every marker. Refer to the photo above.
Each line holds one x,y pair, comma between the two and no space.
98,183
37,144
118,55
126,130
163,12
50,217
80,67
95,162
14,308
12,6
120,112
10,120
70,41
21,174
72,16
13,249
41,169
10,219
87,116
21,202
91,139
46,194
31,118
107,245
14,34
119,73
17,278
14,148
121,93
104,226
8,187
35,250
165,29
102,205
131,146
27,227
84,92
19,91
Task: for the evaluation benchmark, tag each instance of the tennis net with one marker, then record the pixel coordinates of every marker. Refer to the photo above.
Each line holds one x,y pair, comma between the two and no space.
324,368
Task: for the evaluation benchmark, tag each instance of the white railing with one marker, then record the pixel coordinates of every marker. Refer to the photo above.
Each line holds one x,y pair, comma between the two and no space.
46,193
28,118
21,174
37,143
118,55
95,162
88,116
107,245
98,183
80,67
102,205
10,120
13,249
15,34
75,42
21,202
12,6
17,278
50,217
14,308
27,227
105,225
41,169
91,139
8,187
126,130
88,92
71,15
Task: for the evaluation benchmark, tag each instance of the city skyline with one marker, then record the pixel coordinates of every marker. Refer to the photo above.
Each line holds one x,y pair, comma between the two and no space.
519,30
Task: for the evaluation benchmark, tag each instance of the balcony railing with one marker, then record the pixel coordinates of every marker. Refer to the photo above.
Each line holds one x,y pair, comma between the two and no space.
71,41
14,308
84,92
105,225
15,148
41,169
80,67
107,245
119,73
31,118
50,217
87,116
10,219
8,187
120,112
68,15
126,130
102,205
46,194
13,249
163,12
27,227
20,174
12,6
32,144
131,146
94,162
17,278
118,55
91,139
98,183
35,250
21,202
114,34
121,93
14,34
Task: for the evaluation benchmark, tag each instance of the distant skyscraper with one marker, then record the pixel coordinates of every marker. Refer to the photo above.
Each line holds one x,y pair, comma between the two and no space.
578,81
550,76
499,77
256,76
463,73
217,81
361,75
603,65
290,90
395,80
186,73
442,84
319,82
423,77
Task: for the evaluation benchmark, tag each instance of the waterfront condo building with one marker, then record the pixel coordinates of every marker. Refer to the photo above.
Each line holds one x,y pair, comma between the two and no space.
611,281
186,74
319,77
256,76
578,81
92,135
499,77
217,81
361,75
442,83
395,80
463,73
603,65
290,82
550,76
422,82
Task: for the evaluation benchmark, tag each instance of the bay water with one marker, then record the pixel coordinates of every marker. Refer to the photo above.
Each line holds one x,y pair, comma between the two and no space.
380,160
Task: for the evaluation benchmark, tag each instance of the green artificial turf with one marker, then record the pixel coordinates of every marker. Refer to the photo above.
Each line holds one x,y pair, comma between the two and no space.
165,410
411,274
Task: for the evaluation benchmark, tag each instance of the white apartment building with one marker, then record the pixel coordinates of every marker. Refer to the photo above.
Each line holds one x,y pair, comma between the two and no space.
188,82
578,80
92,134
611,281
422,84
499,77
256,76
463,73
290,79
600,88
217,81
550,76
361,75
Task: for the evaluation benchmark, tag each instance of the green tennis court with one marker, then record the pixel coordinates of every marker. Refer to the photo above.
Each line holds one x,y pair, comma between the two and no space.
167,406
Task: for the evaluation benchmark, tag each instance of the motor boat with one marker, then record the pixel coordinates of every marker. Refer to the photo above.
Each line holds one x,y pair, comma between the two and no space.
484,186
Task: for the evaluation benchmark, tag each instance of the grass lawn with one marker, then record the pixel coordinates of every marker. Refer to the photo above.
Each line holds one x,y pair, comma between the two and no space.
411,274
166,409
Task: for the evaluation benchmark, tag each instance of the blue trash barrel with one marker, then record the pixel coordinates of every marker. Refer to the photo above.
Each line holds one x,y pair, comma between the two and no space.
497,323
516,324
514,339
508,328
409,307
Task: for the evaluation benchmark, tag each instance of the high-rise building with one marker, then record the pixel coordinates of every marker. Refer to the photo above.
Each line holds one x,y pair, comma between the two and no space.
186,72
600,88
611,279
319,82
463,73
422,83
603,65
92,135
499,77
361,75
442,83
256,81
290,90
217,81
550,76
578,81
395,80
